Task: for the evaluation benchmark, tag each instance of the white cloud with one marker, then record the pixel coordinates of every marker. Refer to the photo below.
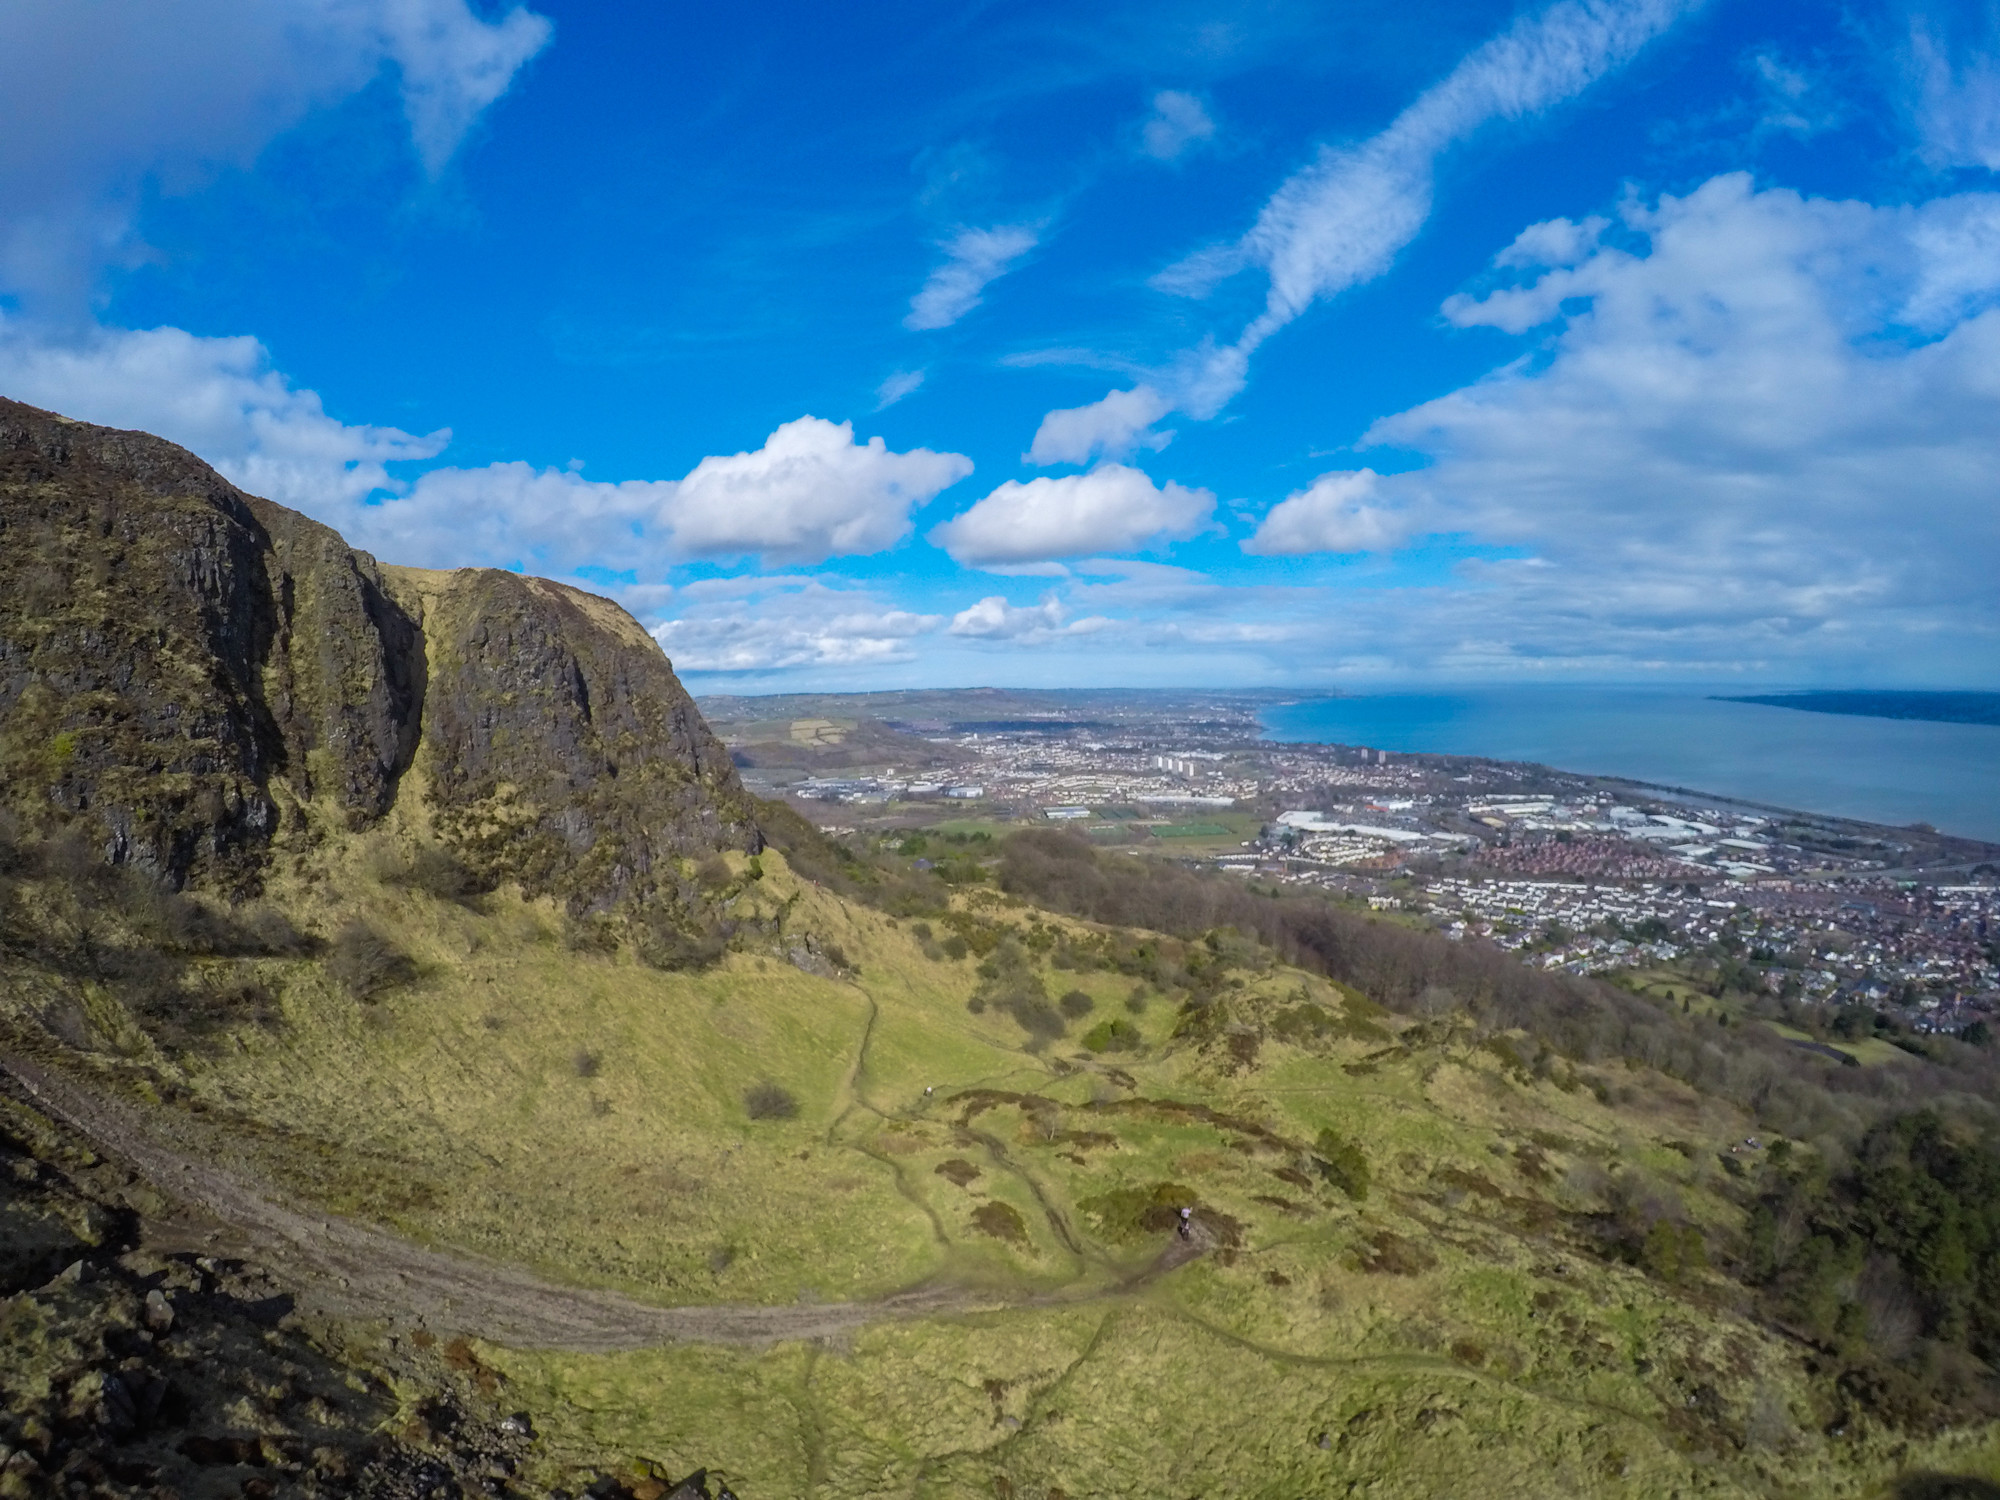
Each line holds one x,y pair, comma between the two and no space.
973,258
1794,103
1112,427
994,619
219,397
1110,509
513,515
902,383
1729,446
774,624
1333,514
96,101
1957,101
453,66
1342,220
1177,122
810,492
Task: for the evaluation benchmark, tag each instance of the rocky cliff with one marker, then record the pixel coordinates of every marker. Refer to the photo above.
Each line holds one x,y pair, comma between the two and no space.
194,678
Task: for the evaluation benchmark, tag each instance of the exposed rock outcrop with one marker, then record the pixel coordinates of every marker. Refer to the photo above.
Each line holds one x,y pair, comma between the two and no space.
191,677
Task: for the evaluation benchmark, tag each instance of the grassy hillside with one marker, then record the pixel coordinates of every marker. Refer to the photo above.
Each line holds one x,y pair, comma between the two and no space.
1429,1265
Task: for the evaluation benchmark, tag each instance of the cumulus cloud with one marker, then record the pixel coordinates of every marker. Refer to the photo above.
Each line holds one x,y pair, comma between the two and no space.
994,619
1342,220
811,491
1112,427
973,259
777,623
1177,122
1110,509
1332,514
169,93
219,397
1730,446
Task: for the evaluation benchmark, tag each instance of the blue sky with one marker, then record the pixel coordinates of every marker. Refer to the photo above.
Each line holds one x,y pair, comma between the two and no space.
1164,343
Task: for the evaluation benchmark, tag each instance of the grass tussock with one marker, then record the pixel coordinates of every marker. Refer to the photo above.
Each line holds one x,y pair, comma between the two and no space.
766,1100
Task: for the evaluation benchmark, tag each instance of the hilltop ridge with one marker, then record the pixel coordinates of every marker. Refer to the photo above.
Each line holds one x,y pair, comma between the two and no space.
193,677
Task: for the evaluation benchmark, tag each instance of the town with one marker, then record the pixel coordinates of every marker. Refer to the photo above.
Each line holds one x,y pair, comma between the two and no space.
1591,875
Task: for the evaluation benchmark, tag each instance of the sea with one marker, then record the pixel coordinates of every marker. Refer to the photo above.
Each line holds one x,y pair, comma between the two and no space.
1892,771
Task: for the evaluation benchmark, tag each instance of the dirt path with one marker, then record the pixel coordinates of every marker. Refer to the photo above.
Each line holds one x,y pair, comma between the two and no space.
358,1271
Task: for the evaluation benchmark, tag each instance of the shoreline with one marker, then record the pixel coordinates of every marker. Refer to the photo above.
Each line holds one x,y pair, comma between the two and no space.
1942,823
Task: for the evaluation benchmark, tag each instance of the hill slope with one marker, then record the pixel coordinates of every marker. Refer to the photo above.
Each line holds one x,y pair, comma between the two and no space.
413,929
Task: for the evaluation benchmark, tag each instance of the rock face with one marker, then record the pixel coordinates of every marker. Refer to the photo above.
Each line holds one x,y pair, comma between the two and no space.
192,677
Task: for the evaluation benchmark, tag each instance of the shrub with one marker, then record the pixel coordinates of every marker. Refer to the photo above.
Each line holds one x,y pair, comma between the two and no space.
1041,1020
1384,1253
1673,1252
1001,1220
767,1101
666,945
1114,1035
1344,1164
1076,1005
434,871
956,946
267,930
1128,1214
366,964
587,1063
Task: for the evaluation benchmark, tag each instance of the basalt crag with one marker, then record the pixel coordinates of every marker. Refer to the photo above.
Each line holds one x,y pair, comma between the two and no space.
192,679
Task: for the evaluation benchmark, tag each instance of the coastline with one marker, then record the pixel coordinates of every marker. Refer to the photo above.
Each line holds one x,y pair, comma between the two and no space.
1886,773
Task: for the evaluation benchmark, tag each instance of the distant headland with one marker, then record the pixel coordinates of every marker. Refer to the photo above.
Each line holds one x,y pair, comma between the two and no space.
1937,708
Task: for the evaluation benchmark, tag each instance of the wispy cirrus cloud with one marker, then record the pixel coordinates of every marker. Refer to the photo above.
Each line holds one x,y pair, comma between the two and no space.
1955,95
1342,220
974,259
1179,121
896,386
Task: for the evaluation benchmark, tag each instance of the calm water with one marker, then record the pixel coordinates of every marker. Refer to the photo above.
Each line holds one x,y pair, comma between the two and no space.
1882,770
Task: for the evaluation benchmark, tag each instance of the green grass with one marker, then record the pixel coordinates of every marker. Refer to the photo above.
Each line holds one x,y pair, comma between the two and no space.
1458,1332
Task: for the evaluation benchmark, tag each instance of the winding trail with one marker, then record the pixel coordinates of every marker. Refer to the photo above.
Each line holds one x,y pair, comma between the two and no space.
355,1270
